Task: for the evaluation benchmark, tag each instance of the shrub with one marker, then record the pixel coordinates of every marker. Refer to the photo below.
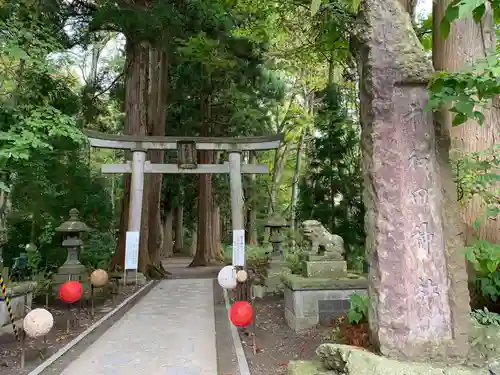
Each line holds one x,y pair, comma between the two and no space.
358,310
352,329
98,250
485,317
485,258
252,253
295,264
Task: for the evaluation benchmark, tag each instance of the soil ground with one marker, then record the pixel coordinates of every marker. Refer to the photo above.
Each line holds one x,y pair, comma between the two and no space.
38,350
276,343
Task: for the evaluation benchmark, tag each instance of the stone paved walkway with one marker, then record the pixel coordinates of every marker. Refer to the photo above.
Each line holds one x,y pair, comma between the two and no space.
171,331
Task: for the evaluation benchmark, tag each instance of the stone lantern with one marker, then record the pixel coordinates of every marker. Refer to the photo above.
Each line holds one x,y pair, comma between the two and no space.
276,223
277,265
72,269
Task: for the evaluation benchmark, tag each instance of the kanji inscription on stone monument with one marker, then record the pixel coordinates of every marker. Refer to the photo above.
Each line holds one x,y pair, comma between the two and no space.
423,238
420,196
427,289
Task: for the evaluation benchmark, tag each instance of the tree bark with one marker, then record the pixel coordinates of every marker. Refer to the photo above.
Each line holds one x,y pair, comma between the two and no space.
204,247
168,248
145,115
136,92
467,42
194,241
158,67
216,234
179,229
252,209
295,186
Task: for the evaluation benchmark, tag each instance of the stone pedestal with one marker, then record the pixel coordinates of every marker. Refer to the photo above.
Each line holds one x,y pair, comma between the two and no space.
69,271
309,301
72,269
132,277
276,269
325,268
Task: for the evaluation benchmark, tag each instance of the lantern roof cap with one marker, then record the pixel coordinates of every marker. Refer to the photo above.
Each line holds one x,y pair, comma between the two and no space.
276,221
73,224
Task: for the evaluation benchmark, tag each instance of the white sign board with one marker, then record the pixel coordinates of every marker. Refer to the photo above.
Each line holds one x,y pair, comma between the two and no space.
239,247
131,250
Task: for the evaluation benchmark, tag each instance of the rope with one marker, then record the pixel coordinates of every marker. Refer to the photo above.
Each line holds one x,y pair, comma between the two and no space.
9,308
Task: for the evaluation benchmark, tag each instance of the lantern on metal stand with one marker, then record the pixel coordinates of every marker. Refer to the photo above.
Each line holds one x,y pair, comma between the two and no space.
98,279
37,323
70,292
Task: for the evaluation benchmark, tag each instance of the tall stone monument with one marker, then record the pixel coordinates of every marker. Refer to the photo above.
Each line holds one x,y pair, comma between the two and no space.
417,284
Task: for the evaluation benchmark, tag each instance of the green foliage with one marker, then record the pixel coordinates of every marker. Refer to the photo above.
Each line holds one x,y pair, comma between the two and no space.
465,93
485,317
485,258
331,188
423,29
461,9
295,263
42,195
252,253
358,310
477,175
98,250
467,90
35,97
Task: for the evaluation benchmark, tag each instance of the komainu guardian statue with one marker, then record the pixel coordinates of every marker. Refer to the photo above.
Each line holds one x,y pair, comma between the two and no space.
329,246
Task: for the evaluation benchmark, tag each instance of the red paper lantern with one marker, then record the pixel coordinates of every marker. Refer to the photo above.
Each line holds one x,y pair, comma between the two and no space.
241,314
71,291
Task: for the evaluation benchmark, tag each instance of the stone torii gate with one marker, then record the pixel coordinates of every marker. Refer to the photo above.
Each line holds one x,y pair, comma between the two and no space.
187,148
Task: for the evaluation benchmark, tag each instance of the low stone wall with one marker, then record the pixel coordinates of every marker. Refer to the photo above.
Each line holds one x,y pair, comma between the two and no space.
20,296
309,301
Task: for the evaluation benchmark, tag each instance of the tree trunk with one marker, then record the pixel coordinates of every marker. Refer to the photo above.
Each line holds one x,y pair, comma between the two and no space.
216,234
158,66
179,229
136,86
467,42
168,248
295,187
145,115
252,237
194,241
204,249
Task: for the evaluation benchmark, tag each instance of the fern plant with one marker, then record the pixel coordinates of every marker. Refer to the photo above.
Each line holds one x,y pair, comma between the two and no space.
485,317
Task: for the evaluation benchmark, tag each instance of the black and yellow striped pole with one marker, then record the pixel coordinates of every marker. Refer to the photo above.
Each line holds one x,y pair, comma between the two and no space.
9,307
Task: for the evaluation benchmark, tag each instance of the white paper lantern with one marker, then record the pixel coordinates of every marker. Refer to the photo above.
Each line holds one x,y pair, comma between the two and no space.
227,277
38,322
241,276
99,278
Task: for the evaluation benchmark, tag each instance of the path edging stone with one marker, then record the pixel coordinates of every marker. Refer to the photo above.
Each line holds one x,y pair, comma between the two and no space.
240,352
54,357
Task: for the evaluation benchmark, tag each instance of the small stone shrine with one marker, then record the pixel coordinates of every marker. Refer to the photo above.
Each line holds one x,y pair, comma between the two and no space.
322,292
72,269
